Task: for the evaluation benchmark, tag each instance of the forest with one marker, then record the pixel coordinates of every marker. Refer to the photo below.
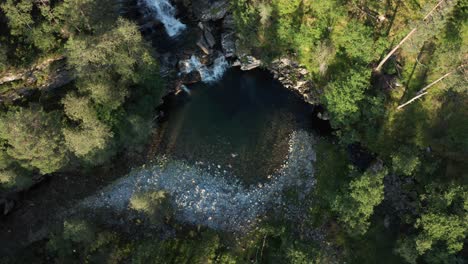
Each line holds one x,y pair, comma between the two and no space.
80,86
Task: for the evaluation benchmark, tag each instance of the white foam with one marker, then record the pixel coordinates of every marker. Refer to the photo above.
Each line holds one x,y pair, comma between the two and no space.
208,74
165,12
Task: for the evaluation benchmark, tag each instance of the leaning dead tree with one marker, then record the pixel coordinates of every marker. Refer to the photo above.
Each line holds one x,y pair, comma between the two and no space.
424,91
428,15
379,67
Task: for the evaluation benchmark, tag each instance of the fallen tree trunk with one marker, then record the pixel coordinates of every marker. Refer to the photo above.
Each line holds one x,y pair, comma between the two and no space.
423,91
379,67
411,100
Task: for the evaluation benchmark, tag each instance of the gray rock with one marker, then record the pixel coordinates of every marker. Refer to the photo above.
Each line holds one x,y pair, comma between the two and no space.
228,43
229,23
206,10
210,40
303,71
323,116
7,205
201,43
249,63
236,63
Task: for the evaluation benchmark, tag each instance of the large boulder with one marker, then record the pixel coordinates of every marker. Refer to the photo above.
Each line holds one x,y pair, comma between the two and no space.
229,24
206,10
228,43
203,45
294,77
248,63
210,39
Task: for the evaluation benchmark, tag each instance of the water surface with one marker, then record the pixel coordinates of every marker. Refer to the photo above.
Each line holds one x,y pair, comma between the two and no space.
240,124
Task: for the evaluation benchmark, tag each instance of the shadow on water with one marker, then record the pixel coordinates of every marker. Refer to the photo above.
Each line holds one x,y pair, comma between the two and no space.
240,124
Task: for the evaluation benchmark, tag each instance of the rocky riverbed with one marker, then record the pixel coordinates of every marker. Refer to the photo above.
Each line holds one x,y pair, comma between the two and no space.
209,197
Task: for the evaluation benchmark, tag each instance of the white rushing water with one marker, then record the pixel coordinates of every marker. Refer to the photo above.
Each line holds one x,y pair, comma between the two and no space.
209,74
210,198
165,12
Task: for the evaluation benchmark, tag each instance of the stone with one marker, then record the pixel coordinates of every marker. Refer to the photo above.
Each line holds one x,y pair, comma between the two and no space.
201,43
8,205
249,63
300,84
228,44
303,71
323,116
201,26
229,24
210,10
285,61
210,40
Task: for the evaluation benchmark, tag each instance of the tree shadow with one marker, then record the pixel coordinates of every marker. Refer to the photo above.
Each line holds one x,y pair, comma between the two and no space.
420,76
392,20
415,65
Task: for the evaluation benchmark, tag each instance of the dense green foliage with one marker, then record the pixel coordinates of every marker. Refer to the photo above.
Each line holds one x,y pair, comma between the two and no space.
102,112
356,205
423,144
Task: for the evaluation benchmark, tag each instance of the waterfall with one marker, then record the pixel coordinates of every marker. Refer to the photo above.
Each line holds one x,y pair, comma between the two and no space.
165,12
208,74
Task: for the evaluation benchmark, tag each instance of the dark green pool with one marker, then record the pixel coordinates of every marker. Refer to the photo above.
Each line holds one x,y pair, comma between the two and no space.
240,124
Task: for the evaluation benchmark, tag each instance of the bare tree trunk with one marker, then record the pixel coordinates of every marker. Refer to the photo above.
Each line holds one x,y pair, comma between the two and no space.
433,9
423,91
434,82
379,67
411,100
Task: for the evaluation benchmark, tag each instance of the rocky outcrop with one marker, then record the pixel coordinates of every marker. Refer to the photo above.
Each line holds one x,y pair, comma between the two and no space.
210,10
247,63
228,43
228,36
216,29
294,77
206,41
40,78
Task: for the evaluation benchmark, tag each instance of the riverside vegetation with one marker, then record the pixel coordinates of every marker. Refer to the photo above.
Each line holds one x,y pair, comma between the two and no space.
79,86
